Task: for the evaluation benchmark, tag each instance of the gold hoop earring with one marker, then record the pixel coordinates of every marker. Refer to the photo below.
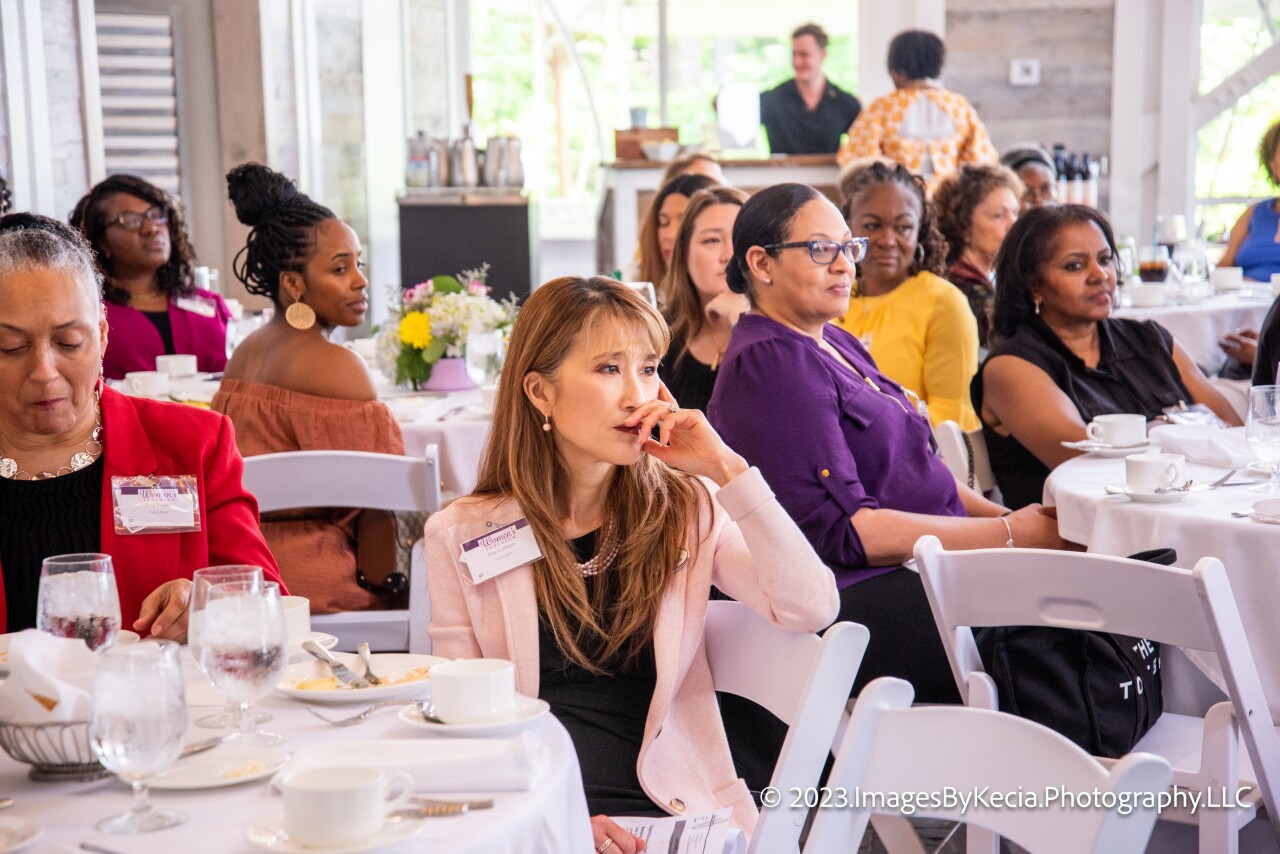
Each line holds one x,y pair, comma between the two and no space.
300,316
919,253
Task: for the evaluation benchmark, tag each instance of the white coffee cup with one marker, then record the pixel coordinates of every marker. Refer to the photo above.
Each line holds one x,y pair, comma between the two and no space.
297,618
1143,295
1150,471
1275,284
1119,431
1228,278
335,806
146,383
473,690
367,348
177,364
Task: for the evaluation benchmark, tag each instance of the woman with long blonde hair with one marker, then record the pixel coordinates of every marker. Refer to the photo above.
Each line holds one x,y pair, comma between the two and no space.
631,532
695,296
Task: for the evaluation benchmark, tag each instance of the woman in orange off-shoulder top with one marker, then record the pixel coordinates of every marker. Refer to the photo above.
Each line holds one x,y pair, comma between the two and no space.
288,388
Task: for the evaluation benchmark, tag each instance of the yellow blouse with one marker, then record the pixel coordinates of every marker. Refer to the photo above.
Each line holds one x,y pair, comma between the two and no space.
924,337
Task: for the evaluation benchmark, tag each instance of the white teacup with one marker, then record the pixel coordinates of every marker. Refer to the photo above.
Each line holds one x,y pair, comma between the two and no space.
1275,284
297,618
1149,472
473,690
1143,295
336,806
147,383
1119,431
177,364
366,347
1228,278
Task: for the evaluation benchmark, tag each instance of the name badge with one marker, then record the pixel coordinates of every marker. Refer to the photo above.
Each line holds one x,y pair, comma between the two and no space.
501,550
204,308
168,504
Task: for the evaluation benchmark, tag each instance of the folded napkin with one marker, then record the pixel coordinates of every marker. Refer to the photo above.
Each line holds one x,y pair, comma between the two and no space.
50,680
440,764
1211,446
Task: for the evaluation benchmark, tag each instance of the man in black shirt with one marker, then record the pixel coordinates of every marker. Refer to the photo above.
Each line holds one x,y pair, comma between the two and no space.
807,114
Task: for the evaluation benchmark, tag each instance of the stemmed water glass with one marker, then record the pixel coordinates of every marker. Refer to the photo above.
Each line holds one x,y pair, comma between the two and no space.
139,721
486,352
244,649
1263,429
201,581
78,599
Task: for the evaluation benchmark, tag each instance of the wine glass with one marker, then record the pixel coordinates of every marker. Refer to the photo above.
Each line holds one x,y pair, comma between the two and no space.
139,721
244,649
485,354
201,581
78,599
1263,429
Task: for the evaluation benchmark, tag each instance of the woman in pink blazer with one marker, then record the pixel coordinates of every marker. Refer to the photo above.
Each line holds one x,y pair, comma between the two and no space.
140,241
606,624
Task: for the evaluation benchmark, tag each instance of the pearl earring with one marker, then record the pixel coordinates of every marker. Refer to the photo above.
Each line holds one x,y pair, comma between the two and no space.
1037,306
546,423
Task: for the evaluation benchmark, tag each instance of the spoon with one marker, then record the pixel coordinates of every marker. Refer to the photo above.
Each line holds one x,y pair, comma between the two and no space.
427,709
363,651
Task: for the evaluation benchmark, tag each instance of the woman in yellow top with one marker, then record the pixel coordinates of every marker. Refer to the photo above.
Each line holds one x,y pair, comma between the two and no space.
930,130
916,324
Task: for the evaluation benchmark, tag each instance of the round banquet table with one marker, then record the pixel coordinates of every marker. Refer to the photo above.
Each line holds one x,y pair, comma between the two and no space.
1198,326
1199,526
551,817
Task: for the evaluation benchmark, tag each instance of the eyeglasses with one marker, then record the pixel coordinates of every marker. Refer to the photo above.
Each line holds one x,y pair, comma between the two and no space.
825,251
132,220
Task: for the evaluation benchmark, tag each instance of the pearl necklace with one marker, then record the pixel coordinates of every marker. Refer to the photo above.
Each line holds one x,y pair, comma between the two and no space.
611,543
81,459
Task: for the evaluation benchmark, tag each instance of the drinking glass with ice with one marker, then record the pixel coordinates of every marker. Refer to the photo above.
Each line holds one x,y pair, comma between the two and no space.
78,599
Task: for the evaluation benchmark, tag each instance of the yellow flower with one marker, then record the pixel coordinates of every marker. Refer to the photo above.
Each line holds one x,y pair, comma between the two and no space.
415,330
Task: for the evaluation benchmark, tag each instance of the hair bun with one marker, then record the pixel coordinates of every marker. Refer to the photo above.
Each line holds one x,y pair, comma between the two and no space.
255,190
735,276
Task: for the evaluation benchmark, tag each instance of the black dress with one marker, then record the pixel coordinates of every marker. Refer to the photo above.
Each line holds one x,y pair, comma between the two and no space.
689,381
40,519
1135,374
604,714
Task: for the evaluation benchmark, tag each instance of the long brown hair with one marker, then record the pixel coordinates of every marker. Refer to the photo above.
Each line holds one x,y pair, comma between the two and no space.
677,294
651,505
652,267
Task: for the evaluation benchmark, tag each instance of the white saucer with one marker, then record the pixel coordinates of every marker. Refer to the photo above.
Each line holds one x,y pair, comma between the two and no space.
387,665
527,710
224,765
1260,467
269,835
325,641
1149,497
1102,449
17,833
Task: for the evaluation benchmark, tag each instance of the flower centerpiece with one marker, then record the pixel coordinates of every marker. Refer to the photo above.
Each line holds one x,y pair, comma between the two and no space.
424,339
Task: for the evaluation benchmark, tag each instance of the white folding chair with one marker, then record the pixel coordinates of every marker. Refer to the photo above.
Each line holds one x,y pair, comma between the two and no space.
965,453
892,749
1187,608
1236,392
301,479
803,679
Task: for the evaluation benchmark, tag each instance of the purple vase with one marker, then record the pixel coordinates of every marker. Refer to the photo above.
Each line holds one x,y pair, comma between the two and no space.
449,374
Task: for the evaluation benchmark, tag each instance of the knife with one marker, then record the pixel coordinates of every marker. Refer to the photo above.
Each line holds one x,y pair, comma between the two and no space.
339,669
201,746
429,811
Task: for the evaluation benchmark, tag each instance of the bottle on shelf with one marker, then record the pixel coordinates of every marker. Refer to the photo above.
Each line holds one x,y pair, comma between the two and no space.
417,171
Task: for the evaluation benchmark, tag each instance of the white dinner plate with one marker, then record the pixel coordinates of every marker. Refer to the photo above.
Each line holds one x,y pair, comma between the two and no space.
325,641
17,833
224,765
1102,449
1260,467
527,710
269,835
1152,497
387,665
123,637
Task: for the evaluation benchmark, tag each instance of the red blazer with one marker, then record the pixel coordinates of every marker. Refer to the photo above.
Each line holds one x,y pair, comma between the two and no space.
146,437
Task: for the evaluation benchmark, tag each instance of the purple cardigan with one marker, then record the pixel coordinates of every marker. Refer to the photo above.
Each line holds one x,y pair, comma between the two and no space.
199,324
827,443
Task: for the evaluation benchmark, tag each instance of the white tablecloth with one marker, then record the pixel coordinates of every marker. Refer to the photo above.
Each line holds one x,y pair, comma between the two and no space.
551,817
1199,526
1199,326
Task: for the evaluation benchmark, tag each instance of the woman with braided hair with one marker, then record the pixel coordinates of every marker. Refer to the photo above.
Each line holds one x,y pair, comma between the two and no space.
5,199
288,388
139,239
917,327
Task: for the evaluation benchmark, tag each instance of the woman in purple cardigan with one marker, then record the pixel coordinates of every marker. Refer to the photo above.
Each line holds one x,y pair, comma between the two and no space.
140,241
841,444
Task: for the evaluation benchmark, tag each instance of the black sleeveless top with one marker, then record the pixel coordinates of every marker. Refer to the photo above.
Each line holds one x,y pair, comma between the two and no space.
689,381
1135,374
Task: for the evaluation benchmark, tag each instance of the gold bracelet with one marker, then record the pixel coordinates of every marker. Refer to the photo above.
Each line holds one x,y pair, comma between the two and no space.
1008,530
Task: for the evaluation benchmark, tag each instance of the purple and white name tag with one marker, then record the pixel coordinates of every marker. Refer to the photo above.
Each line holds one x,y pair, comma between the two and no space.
500,550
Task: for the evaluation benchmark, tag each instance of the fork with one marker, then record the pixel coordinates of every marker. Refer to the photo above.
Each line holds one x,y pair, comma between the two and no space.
456,808
359,719
457,410
363,651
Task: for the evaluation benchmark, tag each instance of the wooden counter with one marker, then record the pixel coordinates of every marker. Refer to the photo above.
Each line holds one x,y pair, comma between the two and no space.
630,185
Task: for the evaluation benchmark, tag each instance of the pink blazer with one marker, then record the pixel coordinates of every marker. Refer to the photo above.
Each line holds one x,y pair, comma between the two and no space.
754,553
199,324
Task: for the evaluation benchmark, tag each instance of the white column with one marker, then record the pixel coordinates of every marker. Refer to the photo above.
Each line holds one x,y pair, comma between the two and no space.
878,23
1176,136
1131,148
384,140
26,100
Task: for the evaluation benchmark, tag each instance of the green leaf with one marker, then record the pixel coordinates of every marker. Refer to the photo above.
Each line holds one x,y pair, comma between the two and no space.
409,366
446,285
434,350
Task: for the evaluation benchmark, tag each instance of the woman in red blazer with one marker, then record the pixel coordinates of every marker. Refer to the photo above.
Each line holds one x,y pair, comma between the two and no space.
64,437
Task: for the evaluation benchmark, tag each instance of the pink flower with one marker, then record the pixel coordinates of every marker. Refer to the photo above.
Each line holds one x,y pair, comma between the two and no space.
475,287
418,291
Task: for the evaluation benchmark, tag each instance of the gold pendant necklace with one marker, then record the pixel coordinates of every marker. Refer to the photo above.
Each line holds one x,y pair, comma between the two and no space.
80,459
